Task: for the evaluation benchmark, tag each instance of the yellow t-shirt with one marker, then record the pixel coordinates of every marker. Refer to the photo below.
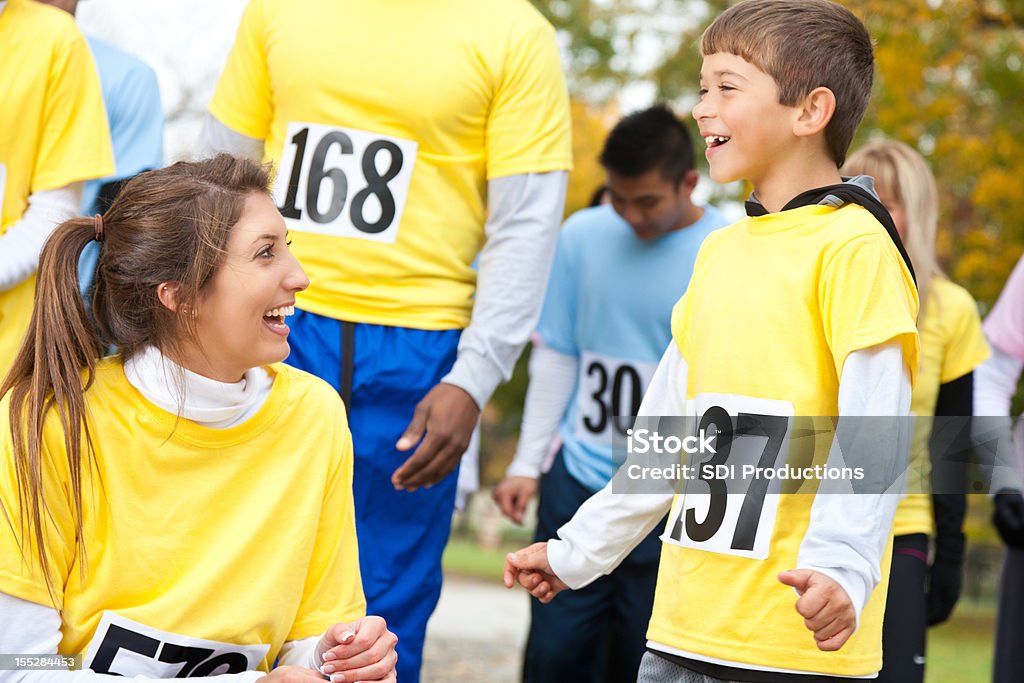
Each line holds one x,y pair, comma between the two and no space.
775,306
952,345
53,129
385,120
205,548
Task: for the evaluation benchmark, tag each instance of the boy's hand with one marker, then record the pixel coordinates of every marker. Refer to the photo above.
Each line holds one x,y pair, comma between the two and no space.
292,674
363,650
825,607
513,494
530,568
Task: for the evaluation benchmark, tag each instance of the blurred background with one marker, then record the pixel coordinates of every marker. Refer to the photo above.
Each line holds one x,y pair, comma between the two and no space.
949,83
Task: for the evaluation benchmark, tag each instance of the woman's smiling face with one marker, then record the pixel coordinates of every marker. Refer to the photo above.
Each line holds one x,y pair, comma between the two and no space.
240,315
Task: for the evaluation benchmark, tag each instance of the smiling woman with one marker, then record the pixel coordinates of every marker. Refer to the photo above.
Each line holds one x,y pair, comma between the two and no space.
186,510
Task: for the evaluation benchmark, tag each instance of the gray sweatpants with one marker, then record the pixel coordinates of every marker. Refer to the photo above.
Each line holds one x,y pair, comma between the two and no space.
655,669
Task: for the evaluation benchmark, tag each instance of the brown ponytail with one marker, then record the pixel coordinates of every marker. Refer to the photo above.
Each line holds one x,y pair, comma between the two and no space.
60,342
170,225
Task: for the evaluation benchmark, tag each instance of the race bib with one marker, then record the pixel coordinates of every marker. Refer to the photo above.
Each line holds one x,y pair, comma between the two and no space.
608,396
344,182
123,647
729,505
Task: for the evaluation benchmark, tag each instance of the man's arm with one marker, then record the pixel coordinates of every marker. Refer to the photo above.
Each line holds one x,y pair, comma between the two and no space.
552,380
216,138
524,212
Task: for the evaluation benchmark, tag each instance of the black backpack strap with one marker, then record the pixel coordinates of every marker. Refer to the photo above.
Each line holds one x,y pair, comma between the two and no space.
852,194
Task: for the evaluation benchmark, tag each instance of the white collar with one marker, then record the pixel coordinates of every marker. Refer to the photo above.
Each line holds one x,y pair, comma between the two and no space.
206,401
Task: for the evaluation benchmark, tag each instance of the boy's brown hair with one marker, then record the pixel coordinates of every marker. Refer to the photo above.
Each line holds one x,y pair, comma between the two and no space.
803,45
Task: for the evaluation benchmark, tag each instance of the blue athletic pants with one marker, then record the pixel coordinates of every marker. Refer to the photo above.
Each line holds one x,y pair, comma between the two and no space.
401,535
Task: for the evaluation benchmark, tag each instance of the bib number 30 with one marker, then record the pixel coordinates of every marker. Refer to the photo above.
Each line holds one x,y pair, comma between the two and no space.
344,182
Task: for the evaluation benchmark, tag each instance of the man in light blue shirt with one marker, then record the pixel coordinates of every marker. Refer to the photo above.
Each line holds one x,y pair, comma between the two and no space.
618,272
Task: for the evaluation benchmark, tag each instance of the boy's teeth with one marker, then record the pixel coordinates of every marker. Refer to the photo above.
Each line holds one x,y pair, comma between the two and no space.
712,139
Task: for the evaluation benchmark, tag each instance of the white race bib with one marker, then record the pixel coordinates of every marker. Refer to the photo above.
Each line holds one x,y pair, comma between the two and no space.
720,510
127,648
344,182
608,388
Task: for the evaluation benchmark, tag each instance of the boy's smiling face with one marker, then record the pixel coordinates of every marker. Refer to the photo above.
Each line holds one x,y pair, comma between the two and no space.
747,132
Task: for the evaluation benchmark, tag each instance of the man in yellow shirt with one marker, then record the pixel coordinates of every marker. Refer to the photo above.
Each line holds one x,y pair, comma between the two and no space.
53,136
409,140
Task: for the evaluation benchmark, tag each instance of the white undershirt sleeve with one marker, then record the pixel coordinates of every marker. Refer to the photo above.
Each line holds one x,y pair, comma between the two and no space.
609,525
33,629
999,456
848,530
551,388
524,212
21,245
215,137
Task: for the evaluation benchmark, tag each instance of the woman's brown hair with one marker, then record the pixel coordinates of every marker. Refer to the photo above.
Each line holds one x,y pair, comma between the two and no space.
166,226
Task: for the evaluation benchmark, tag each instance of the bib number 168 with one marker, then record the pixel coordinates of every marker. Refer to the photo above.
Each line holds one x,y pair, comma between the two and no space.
343,181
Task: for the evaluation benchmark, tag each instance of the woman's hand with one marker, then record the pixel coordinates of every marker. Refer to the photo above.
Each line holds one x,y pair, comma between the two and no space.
363,650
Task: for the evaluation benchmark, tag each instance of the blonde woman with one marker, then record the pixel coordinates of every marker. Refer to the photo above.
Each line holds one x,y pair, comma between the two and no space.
952,346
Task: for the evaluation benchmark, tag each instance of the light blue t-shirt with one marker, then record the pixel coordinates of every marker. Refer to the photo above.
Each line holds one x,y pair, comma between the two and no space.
609,303
135,117
134,114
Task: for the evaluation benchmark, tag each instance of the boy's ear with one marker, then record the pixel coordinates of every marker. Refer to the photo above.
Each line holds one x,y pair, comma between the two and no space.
816,111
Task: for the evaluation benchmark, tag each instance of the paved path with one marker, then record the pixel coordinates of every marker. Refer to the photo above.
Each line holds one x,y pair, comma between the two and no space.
476,634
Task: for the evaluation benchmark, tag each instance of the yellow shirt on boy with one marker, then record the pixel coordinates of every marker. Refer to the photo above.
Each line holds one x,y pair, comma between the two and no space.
952,345
776,305
53,129
382,164
201,554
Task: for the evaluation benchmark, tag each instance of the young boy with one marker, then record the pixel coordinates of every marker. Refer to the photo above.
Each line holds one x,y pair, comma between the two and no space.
805,308
618,272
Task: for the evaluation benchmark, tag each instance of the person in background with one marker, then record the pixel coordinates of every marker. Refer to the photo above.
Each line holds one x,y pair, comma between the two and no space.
997,380
135,118
618,271
923,593
53,138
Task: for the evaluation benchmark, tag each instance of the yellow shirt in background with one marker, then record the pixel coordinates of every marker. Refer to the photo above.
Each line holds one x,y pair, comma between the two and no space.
206,548
952,345
385,120
53,129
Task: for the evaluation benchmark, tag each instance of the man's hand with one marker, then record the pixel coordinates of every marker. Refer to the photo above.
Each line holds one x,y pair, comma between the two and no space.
363,650
530,568
825,607
448,415
513,494
1008,517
